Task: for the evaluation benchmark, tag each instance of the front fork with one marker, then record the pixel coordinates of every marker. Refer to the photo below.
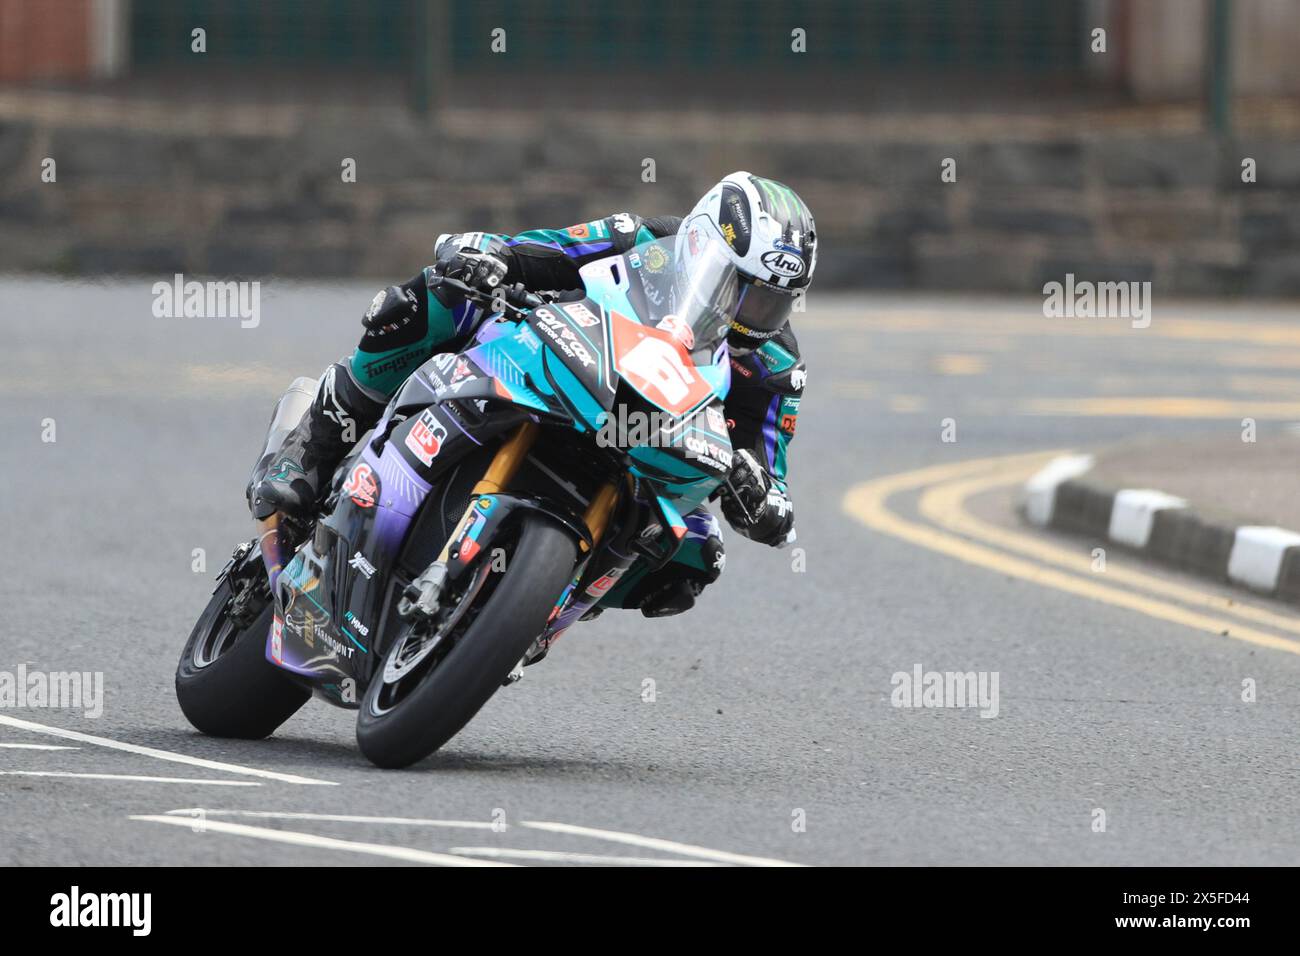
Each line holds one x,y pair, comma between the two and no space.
420,599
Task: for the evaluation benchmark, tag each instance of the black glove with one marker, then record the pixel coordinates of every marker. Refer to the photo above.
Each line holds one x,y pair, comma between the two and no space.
478,270
754,506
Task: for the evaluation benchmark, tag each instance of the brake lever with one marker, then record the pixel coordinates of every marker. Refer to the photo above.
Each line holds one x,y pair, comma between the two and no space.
489,299
737,499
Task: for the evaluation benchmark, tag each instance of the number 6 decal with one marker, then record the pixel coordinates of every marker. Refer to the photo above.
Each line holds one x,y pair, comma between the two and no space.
656,365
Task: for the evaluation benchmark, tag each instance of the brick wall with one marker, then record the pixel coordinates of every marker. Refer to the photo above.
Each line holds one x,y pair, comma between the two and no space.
1027,207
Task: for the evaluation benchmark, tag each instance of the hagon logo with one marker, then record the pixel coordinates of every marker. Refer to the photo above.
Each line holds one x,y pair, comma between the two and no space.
362,486
783,264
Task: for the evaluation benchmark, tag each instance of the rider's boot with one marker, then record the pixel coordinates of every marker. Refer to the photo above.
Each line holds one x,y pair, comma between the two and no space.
293,480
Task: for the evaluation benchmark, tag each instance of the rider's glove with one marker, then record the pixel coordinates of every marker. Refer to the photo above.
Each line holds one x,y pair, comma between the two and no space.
754,505
478,270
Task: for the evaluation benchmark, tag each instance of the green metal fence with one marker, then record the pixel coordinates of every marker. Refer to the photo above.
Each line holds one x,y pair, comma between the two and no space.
452,39
1008,35
367,34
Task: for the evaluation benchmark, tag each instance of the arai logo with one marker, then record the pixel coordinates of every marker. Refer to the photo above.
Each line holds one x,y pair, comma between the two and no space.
783,264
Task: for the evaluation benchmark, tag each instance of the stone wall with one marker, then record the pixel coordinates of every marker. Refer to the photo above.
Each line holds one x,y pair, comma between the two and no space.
1031,201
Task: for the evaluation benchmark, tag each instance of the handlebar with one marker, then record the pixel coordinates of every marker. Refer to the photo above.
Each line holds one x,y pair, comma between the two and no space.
515,297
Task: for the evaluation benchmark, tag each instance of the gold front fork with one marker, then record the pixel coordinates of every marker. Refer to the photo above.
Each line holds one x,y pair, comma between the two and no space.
505,465
598,512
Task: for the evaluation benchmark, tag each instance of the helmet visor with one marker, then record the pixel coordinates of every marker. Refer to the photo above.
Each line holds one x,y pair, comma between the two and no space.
764,309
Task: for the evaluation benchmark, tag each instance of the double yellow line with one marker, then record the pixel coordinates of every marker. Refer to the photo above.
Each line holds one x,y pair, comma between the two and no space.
959,534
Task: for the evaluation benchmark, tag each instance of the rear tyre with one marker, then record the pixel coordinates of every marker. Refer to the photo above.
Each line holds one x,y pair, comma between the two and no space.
225,685
397,726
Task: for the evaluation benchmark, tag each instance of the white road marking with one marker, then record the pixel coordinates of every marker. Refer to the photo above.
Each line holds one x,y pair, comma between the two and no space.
135,778
36,747
339,818
295,838
555,856
162,754
199,818
652,843
562,857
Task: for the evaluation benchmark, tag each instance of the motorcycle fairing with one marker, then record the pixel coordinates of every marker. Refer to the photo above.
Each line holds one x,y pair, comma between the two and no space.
323,631
558,367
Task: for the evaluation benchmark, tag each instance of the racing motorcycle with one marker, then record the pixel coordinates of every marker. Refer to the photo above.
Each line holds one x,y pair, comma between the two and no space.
488,510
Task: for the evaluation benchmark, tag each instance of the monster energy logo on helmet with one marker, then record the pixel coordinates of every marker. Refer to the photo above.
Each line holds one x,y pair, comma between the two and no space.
780,200
795,253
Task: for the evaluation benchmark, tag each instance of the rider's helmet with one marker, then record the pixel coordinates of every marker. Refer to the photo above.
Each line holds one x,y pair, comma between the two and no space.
772,240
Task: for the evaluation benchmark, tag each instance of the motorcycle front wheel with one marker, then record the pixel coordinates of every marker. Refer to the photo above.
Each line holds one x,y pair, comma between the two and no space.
427,689
225,685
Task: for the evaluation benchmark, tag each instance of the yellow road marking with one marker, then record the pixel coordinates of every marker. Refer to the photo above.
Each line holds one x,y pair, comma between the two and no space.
851,388
959,364
1264,384
867,502
945,505
1025,318
1151,406
1259,358
905,403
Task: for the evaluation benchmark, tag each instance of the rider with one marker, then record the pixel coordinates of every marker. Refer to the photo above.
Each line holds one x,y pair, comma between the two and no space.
772,241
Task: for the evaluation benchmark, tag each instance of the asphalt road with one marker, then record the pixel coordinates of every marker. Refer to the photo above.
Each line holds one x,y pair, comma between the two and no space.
773,697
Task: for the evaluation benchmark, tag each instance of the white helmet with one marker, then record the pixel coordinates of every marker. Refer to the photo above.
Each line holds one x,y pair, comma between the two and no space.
773,243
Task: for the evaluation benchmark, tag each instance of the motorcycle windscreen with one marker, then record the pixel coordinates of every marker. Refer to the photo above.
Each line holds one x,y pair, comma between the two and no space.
669,304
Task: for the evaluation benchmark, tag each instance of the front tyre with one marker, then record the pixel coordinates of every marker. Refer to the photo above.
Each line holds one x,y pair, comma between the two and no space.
225,685
396,727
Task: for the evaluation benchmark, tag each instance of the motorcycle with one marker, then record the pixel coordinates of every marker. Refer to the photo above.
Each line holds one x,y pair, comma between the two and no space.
490,509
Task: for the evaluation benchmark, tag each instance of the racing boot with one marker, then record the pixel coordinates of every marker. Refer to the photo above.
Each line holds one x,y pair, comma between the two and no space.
293,479
673,588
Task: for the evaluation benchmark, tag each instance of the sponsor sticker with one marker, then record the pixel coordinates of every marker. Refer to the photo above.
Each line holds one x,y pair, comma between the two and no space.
601,586
564,338
655,259
526,338
783,264
362,566
425,438
678,330
708,453
717,421
463,371
362,486
579,312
